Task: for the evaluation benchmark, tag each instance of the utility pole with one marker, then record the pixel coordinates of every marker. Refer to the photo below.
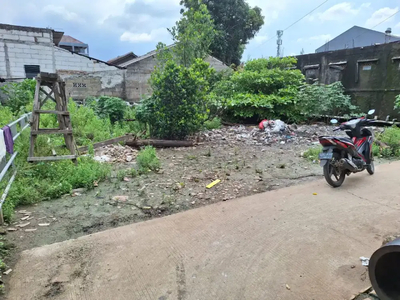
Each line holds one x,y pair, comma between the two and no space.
279,35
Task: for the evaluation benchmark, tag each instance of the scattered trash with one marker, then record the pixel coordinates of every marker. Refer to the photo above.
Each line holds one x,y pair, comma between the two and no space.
288,287
30,230
120,198
23,225
364,261
76,194
12,229
126,179
315,194
24,218
44,224
7,272
212,184
251,135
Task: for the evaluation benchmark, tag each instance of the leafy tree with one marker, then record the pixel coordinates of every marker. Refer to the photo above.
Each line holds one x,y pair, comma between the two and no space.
236,23
193,35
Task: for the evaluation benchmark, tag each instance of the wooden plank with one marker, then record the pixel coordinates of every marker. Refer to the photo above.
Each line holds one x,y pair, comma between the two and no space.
56,112
51,131
108,142
52,158
160,143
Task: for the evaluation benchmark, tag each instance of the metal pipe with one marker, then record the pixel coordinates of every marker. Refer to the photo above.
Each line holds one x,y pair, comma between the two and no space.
384,271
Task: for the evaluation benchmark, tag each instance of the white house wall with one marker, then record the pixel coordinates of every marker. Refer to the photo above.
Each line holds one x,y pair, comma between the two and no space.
19,48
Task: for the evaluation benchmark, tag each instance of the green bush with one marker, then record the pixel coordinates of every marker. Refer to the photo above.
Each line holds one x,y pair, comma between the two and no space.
19,95
317,99
6,116
147,160
391,137
213,124
397,102
264,88
111,107
178,105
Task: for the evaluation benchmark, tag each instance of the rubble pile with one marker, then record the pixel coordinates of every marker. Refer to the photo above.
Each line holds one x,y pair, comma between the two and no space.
116,154
252,135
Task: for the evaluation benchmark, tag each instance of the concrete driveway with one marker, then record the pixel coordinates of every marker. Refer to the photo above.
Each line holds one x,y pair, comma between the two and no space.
284,244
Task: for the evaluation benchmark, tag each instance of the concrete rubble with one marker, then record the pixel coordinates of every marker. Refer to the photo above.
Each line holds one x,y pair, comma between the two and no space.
116,154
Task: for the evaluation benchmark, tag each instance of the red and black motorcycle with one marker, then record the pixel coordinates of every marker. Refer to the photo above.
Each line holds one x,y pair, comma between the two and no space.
342,156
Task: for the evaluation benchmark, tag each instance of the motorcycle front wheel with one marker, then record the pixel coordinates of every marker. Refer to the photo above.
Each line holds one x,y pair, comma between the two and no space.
371,168
333,175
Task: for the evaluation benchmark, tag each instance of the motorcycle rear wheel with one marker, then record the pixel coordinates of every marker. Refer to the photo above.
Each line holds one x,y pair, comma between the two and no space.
333,175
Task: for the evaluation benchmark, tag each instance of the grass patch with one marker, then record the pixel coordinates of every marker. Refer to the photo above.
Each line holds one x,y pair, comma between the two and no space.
147,160
213,124
312,153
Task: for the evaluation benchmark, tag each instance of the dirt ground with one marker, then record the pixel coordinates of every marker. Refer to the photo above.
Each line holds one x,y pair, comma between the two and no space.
246,162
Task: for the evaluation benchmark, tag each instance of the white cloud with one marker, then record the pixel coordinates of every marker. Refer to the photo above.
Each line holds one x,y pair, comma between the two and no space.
338,12
380,15
155,35
259,39
63,13
397,26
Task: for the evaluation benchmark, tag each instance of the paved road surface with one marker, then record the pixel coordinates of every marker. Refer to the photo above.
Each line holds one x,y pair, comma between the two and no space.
285,244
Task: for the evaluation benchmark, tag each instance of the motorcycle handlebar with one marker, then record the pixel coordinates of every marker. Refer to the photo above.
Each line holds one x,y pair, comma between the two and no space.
337,128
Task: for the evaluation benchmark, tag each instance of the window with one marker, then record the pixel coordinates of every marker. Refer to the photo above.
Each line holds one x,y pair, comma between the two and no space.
367,68
31,71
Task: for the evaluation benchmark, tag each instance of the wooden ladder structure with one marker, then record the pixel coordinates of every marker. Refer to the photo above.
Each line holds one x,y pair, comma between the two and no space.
57,88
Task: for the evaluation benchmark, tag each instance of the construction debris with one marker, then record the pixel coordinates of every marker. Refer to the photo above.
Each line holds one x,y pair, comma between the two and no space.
115,154
270,135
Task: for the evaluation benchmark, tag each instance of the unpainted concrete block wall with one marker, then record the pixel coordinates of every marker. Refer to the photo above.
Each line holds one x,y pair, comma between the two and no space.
139,73
371,75
104,83
19,48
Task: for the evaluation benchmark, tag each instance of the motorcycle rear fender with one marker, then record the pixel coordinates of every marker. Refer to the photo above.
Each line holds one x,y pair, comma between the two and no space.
327,149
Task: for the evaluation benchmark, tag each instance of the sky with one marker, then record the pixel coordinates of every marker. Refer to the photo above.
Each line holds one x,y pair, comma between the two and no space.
115,27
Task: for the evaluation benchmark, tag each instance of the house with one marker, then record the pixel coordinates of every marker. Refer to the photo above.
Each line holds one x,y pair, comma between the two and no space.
122,59
371,75
72,44
358,37
139,71
26,51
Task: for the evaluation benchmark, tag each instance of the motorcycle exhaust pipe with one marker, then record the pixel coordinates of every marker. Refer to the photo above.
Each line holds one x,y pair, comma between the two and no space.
347,164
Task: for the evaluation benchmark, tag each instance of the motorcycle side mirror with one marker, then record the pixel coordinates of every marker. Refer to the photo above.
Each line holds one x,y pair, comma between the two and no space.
371,112
334,121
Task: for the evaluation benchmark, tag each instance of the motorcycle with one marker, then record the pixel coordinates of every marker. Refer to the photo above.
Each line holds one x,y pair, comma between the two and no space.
343,156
